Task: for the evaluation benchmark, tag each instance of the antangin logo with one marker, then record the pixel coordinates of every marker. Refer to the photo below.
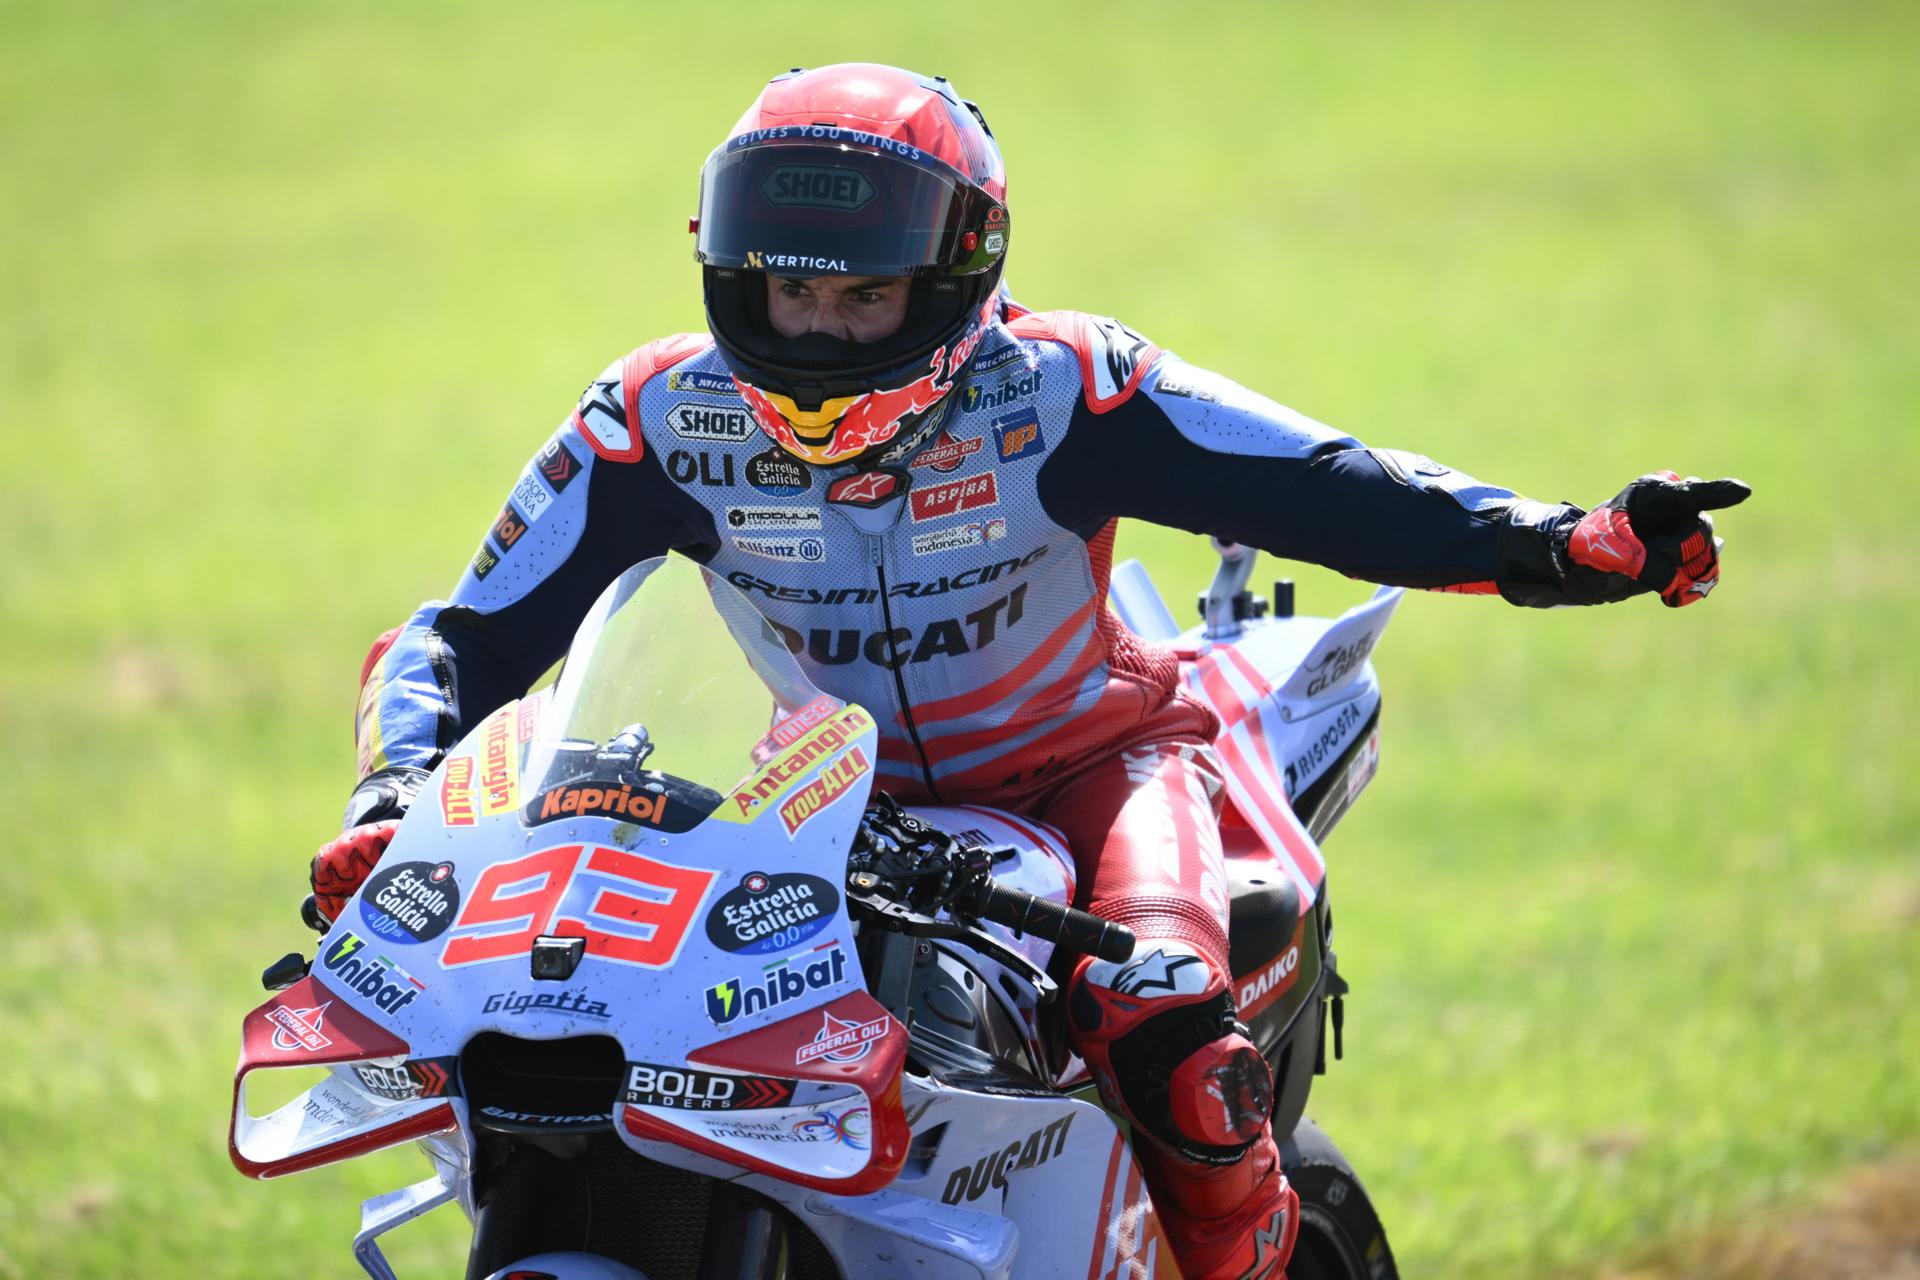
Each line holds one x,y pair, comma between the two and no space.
833,782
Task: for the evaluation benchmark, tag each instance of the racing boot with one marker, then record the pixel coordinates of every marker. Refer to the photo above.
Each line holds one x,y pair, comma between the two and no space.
1234,1220
1158,1033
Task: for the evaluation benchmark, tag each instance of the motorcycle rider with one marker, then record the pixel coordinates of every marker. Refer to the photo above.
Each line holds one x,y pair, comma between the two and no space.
918,480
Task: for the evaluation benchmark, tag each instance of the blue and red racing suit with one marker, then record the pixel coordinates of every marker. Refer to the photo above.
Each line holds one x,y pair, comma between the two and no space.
962,599
971,615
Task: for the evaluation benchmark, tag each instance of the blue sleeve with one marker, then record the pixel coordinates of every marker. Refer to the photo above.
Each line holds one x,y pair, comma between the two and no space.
1197,451
571,523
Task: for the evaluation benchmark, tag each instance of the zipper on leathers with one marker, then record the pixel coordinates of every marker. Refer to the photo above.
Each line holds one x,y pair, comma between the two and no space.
900,681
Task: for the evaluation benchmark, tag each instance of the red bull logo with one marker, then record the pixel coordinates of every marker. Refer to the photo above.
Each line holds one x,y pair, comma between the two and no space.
843,429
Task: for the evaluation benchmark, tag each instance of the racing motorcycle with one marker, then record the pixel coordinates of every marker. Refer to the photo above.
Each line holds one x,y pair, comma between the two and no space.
648,1018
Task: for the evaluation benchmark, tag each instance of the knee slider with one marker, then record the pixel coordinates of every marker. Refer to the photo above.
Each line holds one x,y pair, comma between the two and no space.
1160,1035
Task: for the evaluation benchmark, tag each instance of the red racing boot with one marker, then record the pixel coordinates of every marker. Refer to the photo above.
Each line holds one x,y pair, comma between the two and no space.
1159,1034
1225,1222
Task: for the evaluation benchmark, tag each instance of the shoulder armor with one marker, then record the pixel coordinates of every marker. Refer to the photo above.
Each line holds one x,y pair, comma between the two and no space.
1113,358
617,438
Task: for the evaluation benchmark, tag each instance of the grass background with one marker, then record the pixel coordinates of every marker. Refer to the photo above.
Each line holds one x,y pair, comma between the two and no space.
1632,914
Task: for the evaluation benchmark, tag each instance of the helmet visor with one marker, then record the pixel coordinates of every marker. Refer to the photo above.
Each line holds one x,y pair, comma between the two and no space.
812,207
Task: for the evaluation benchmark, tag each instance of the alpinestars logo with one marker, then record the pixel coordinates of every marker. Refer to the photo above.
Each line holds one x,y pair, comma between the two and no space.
1161,974
1269,1244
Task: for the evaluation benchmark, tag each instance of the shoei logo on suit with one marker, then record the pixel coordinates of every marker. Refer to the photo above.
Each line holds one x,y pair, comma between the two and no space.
706,422
773,517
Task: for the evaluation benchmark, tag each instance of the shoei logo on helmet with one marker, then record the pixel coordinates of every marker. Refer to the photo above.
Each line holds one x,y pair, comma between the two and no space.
802,186
757,261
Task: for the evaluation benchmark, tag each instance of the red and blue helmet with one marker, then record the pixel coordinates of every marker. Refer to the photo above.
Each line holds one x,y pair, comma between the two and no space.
861,170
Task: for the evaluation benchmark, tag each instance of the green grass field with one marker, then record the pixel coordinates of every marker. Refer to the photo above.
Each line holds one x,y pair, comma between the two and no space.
1632,914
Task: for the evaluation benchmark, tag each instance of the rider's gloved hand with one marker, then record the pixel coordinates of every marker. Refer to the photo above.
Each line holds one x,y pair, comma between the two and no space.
1654,535
373,814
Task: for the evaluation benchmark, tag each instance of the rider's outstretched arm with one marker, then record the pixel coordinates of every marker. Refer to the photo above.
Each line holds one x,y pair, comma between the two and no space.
1197,451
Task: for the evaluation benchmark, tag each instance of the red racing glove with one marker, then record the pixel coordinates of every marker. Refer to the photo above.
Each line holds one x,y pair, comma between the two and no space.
374,811
1656,532
343,864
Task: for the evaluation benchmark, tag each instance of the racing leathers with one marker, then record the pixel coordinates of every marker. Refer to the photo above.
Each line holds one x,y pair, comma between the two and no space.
959,594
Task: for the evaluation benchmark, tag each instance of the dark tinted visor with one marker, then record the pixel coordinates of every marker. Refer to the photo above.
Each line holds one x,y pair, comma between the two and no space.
809,208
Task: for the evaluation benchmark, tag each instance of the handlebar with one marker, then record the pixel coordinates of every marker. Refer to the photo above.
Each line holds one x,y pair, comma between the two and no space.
1069,927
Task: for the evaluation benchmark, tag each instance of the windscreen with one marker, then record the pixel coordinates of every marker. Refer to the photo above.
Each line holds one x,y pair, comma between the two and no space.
674,675
808,208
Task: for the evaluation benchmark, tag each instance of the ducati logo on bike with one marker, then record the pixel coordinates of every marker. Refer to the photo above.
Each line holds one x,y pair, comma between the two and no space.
784,980
298,1028
839,1041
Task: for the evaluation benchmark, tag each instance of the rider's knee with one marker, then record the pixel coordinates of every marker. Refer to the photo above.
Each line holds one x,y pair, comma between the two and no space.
1159,1034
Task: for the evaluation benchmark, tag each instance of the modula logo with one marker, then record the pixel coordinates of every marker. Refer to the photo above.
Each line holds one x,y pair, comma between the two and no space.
373,976
824,790
783,980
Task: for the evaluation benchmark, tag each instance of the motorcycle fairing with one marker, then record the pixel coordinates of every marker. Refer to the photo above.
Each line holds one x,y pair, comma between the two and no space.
845,1131
1288,692
309,1025
980,1192
639,895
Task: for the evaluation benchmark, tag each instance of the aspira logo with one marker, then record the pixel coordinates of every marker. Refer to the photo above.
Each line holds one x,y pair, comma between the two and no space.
780,982
373,976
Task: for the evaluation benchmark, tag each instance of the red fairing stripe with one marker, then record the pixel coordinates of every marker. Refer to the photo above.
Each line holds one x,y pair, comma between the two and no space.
1256,781
440,1119
1101,1224
774,1051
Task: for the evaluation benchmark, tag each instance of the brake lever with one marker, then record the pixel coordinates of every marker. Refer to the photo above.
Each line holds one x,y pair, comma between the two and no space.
901,918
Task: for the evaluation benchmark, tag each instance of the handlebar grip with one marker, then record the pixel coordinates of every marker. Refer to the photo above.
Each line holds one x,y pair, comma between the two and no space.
1069,927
